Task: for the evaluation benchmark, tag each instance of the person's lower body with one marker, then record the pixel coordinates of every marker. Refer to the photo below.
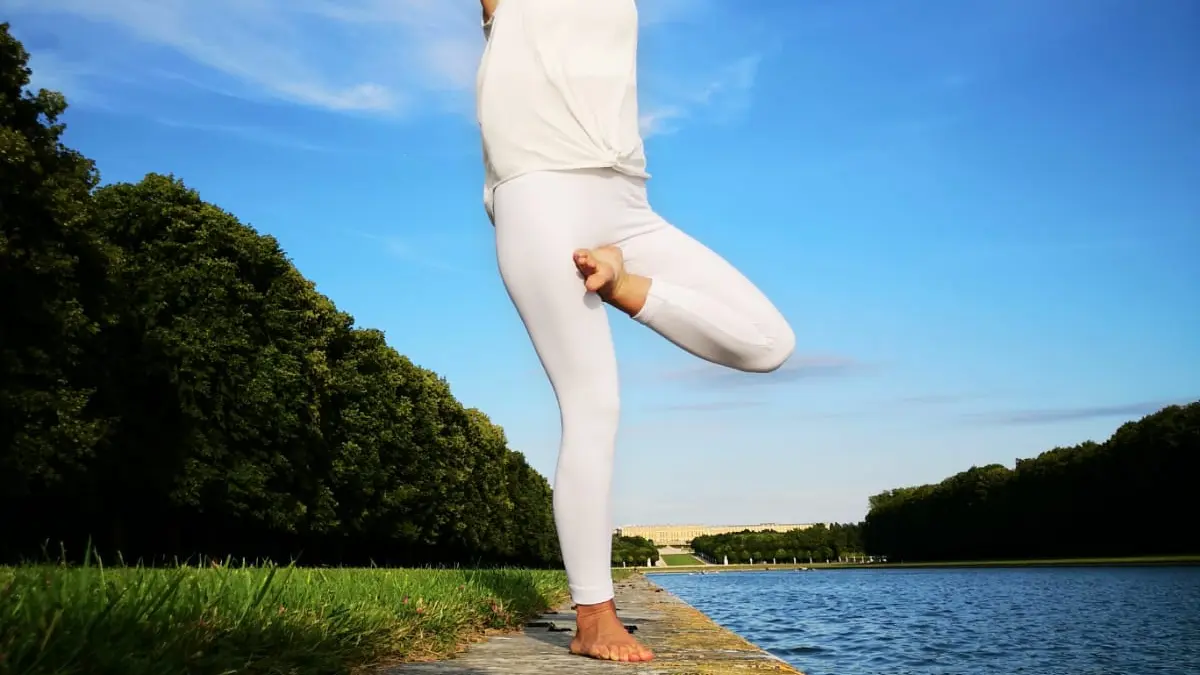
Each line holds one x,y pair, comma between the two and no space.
559,234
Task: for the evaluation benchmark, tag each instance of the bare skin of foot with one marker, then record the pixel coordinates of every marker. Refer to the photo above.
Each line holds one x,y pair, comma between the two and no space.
601,635
604,274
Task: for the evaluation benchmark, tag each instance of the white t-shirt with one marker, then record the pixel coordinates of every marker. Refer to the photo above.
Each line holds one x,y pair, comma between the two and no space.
557,89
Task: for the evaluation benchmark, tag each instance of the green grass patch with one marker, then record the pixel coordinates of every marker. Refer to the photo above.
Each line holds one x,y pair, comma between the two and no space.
622,573
140,621
673,559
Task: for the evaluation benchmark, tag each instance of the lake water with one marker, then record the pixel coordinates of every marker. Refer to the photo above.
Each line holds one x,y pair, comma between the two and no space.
1041,621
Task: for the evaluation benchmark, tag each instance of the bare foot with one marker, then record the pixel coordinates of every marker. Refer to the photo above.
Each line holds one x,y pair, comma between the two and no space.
601,635
603,271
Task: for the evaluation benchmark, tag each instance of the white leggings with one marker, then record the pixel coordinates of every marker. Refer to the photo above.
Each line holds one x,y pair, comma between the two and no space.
697,300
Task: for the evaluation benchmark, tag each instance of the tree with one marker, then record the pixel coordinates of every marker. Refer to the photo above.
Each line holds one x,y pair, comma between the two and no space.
821,541
1067,502
171,385
53,270
633,550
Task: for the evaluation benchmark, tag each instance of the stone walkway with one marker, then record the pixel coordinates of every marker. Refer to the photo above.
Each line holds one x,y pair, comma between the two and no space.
685,642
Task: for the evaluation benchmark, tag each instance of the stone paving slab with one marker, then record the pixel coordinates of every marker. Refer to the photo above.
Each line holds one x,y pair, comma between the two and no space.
685,642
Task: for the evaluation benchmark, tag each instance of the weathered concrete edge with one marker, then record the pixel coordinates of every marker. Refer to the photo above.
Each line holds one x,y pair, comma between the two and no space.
689,642
684,639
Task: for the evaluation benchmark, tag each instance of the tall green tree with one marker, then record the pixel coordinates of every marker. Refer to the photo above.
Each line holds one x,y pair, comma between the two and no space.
53,270
214,367
171,385
1122,497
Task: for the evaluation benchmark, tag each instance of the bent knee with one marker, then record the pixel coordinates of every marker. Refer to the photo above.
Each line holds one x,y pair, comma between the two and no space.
780,347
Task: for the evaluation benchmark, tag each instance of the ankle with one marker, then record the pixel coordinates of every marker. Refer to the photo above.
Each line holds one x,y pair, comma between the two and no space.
606,607
627,292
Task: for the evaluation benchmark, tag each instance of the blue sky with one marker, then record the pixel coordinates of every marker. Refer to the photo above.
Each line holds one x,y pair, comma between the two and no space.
974,213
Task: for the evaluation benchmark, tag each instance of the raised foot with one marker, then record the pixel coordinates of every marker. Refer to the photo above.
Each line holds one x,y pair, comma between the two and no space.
603,636
603,269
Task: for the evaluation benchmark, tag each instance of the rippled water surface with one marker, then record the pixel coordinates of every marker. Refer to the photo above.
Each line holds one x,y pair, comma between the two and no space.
1043,621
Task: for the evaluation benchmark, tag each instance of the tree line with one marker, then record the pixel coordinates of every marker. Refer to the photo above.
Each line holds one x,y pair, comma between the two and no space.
819,543
1123,497
633,551
172,386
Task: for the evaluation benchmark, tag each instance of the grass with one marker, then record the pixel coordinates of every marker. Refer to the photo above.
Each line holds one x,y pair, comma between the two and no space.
673,559
270,620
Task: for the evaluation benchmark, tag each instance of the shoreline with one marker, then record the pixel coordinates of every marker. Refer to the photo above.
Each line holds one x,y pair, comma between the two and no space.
1140,561
684,639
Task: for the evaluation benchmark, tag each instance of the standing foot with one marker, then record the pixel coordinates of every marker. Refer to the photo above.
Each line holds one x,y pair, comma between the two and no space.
602,635
603,271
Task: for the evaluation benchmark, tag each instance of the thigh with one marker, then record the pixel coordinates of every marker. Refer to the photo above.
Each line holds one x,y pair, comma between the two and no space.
665,252
540,220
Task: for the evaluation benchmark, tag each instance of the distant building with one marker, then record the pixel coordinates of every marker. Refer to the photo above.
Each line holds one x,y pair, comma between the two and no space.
682,535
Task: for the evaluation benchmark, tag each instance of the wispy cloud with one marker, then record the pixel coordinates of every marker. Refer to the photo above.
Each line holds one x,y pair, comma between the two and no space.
310,52
378,57
1056,415
798,368
50,71
723,95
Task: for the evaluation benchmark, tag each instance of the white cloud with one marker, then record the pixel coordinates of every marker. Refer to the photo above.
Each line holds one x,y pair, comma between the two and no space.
659,120
724,95
384,57
291,50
